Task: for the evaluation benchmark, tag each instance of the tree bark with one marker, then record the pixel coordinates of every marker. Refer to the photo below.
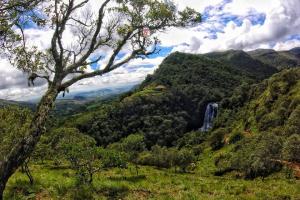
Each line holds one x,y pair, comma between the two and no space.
23,150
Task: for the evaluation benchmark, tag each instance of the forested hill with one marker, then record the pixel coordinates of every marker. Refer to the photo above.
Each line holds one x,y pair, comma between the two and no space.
173,100
267,117
278,59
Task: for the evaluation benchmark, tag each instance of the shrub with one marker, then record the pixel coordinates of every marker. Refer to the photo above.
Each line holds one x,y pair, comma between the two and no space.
291,149
235,137
257,156
216,139
112,158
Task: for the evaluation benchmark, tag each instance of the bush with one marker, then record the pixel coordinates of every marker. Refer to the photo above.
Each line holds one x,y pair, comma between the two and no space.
257,156
216,139
112,158
291,149
235,137
184,158
168,157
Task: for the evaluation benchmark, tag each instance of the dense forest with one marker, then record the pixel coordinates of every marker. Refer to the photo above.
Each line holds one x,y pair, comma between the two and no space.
147,143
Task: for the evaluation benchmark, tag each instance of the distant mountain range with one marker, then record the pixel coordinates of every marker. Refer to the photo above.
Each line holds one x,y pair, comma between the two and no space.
278,59
76,101
96,94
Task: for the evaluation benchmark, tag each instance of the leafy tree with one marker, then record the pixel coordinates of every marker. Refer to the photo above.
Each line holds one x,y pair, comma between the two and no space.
116,24
185,158
132,145
12,14
14,123
112,158
168,157
82,153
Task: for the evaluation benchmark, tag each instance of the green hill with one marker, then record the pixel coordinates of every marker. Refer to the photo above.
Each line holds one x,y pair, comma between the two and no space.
278,59
265,129
243,61
173,100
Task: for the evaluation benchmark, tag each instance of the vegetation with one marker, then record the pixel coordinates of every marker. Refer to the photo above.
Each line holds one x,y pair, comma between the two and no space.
115,25
59,183
268,120
146,144
180,88
278,59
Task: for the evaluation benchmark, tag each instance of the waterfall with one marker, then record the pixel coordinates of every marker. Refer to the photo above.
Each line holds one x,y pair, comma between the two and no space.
210,114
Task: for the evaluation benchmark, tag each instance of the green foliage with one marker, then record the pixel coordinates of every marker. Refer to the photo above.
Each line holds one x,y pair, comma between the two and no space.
191,139
291,149
254,157
242,60
160,184
14,125
278,59
216,139
235,137
168,157
258,127
82,154
168,104
111,158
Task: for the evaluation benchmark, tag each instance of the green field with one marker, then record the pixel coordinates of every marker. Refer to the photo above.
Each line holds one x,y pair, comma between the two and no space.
151,183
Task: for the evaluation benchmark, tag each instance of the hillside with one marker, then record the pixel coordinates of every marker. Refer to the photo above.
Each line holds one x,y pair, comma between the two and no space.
241,60
170,102
269,119
278,59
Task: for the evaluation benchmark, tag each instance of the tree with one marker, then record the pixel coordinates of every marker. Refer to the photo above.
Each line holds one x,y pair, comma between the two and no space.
82,153
132,145
117,25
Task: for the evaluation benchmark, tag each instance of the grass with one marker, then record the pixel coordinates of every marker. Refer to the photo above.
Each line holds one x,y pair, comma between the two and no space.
165,184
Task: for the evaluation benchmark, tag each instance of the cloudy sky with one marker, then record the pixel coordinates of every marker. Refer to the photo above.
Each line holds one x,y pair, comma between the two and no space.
227,24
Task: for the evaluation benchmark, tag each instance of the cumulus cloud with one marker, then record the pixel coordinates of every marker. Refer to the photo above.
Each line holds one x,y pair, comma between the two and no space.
227,24
240,25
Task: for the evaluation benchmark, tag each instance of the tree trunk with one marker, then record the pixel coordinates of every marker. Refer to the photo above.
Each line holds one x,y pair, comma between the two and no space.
23,150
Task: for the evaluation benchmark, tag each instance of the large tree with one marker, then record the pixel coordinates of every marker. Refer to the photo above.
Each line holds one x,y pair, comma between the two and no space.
115,27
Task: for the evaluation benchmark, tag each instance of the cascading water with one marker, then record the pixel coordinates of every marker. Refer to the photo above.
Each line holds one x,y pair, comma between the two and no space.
210,114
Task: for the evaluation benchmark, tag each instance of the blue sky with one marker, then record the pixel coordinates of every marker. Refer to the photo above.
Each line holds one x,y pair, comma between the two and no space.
227,24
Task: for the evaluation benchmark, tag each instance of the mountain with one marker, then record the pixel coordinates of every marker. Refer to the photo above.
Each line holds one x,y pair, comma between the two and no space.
243,61
98,94
278,59
173,100
77,102
17,103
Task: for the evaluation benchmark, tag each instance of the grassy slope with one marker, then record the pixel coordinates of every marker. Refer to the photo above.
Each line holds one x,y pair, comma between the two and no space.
153,184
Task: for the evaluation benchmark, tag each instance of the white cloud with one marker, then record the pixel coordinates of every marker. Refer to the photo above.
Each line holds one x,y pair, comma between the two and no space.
228,25
282,20
287,45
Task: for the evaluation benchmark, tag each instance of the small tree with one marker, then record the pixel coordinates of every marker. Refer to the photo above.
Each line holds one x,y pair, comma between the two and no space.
185,158
116,26
82,154
133,145
112,158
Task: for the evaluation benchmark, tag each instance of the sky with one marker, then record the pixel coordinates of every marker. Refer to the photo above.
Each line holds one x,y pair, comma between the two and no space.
227,24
